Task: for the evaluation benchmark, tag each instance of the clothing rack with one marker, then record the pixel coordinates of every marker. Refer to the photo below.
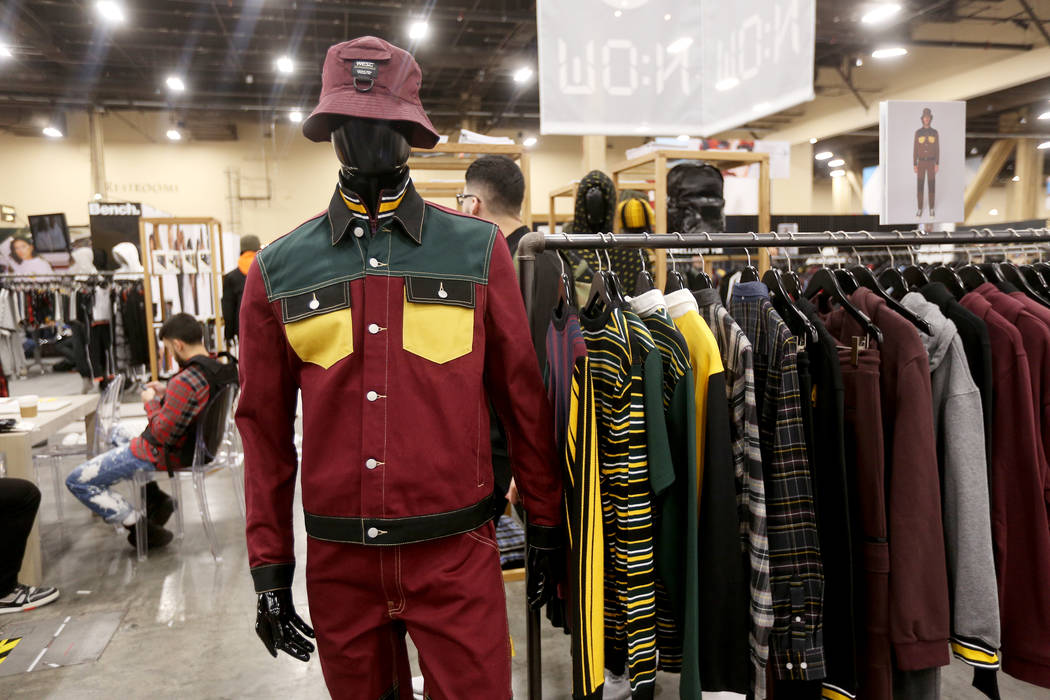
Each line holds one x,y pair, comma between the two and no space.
533,243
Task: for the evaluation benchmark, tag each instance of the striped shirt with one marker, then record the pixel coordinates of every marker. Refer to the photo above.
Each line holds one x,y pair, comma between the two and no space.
795,571
737,359
571,392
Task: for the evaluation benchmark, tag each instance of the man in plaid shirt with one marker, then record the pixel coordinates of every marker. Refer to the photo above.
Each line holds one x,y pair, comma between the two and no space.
172,410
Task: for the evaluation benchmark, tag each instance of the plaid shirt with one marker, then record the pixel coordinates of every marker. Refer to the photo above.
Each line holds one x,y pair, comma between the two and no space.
170,417
738,360
796,576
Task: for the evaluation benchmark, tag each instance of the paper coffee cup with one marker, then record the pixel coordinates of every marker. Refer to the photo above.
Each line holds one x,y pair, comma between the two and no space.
27,405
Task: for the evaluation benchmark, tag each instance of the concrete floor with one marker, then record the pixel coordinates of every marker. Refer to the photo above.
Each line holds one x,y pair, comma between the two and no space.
187,627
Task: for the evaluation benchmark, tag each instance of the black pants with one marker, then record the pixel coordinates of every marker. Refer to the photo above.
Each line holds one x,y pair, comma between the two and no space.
19,500
927,173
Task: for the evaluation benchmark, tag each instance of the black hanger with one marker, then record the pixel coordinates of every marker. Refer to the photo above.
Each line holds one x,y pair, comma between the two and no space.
950,279
846,280
605,289
824,282
915,276
893,282
866,279
644,281
1035,279
785,306
566,290
750,272
699,278
972,276
1013,276
1043,270
675,279
992,273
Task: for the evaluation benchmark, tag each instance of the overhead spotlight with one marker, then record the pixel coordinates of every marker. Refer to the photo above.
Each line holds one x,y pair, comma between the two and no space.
295,116
1045,115
618,13
993,212
667,17
52,132
837,163
97,197
889,52
418,29
5,51
761,107
680,44
838,173
249,79
285,65
1015,178
175,83
1044,145
880,13
529,141
523,74
859,62
813,140
974,151
174,135
683,137
726,83
824,155
110,10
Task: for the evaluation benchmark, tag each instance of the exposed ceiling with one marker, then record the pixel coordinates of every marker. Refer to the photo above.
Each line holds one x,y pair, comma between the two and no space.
66,56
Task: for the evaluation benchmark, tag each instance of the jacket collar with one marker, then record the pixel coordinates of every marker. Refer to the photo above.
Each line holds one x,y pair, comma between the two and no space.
403,205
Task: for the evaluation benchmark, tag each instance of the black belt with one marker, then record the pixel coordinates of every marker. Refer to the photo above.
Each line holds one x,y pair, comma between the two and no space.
391,531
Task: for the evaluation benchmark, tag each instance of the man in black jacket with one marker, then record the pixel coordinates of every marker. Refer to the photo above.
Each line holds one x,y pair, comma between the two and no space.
233,287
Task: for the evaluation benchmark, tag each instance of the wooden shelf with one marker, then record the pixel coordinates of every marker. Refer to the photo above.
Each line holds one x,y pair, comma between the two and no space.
568,190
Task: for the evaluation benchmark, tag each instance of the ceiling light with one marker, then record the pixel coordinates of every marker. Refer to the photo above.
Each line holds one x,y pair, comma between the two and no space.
249,79
529,142
824,155
97,197
837,163
110,10
284,64
174,135
52,133
680,44
523,74
880,13
889,52
761,107
5,51
618,13
838,173
1045,115
295,116
667,17
859,62
813,140
993,212
418,29
175,83
1044,145
726,84
683,137
974,151
1015,178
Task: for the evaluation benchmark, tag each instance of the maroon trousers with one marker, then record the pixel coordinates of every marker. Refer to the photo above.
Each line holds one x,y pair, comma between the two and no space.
864,452
446,593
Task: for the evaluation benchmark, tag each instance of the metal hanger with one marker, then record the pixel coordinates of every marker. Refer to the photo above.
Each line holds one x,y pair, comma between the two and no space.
675,279
797,321
913,274
867,280
891,279
971,275
644,281
825,283
1013,276
700,279
749,273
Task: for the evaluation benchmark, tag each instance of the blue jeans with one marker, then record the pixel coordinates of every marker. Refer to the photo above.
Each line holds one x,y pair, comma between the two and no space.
90,481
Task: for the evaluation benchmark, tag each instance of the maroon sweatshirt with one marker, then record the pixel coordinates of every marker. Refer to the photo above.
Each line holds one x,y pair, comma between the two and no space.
919,614
1020,532
1043,417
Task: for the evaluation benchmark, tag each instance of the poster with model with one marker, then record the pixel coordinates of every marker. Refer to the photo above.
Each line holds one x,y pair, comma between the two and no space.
922,150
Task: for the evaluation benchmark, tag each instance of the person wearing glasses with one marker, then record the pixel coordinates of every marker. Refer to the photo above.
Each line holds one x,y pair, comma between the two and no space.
494,191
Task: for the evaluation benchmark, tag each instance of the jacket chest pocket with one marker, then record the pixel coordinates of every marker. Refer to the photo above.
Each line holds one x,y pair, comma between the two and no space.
319,324
438,322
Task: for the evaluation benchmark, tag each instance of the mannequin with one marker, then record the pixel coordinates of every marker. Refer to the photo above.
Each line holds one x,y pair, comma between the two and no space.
393,319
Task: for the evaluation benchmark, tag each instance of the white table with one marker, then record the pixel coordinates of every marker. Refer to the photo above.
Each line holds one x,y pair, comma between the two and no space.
17,449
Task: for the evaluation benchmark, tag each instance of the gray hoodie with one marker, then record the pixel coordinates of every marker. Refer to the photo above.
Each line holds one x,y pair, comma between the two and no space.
959,426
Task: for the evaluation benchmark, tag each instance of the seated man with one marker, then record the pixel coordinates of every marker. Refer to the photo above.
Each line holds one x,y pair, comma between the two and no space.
167,441
19,500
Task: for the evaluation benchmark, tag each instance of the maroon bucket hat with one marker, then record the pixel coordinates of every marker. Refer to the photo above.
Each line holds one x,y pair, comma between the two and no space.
372,79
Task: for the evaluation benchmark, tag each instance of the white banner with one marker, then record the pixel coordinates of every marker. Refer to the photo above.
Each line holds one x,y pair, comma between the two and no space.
671,67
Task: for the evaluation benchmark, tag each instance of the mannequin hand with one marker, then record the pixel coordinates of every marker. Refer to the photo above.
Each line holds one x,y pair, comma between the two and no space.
543,564
916,170
936,169
279,627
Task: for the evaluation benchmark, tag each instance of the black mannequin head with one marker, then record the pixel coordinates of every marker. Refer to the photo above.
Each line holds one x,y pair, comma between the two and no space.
374,156
594,201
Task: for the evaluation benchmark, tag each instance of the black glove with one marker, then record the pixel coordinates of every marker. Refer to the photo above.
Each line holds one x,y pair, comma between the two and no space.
279,627
543,563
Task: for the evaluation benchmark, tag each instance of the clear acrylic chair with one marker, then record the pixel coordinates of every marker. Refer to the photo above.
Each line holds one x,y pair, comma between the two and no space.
214,440
107,417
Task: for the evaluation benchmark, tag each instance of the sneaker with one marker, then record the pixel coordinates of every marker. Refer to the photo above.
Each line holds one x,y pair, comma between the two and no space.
24,598
159,505
156,536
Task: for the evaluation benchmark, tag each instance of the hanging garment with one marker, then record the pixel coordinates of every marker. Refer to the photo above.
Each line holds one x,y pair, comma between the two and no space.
619,392
1020,532
795,570
974,335
958,424
571,393
821,390
136,325
919,617
594,212
677,566
737,359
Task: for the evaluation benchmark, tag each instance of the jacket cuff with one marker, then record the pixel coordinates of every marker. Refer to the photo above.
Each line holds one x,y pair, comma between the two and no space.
544,536
798,665
915,656
272,577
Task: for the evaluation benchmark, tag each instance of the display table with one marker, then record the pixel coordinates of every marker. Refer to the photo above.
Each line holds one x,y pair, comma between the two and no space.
17,451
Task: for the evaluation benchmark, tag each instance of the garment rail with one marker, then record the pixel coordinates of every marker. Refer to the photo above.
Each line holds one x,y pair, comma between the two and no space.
534,242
